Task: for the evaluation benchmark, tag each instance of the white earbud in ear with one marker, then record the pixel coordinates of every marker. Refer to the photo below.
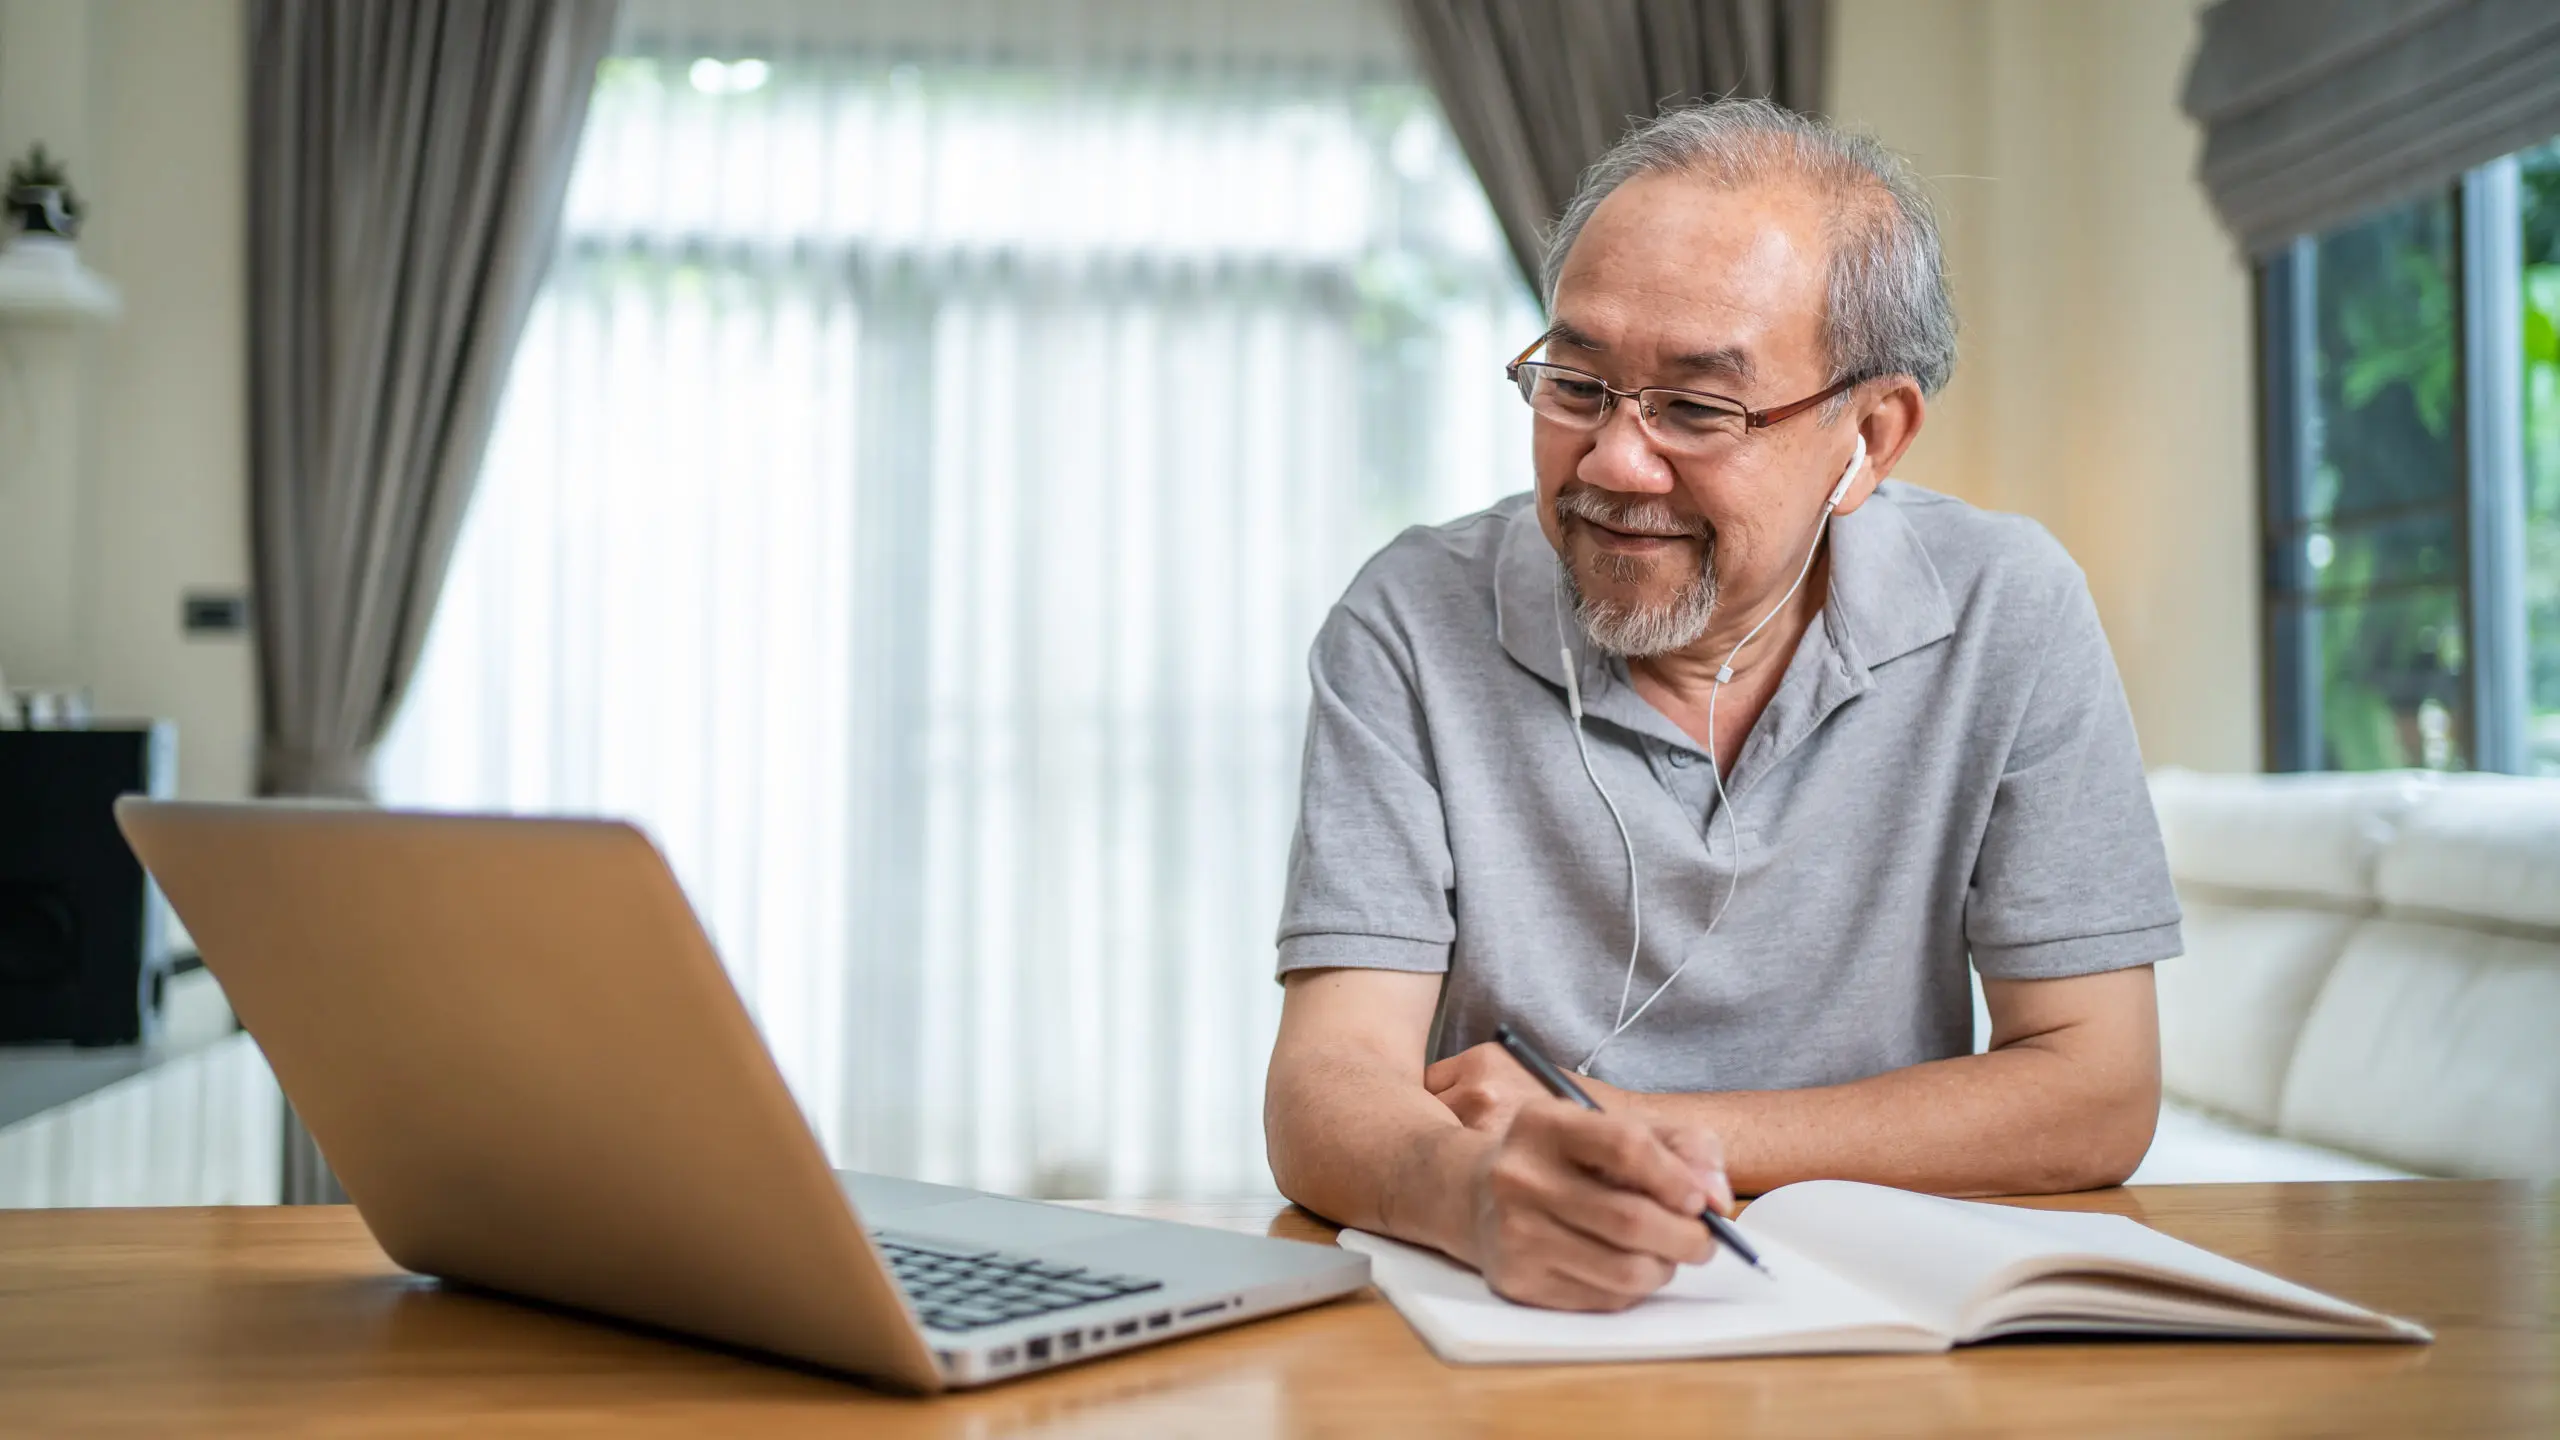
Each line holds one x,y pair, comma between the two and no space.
1848,477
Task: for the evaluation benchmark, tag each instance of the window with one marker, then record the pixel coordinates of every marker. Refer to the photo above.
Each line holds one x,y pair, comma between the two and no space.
2540,173
2412,409
918,485
2366,543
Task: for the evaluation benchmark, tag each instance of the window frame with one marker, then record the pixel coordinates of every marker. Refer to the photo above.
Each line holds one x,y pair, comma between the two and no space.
2490,218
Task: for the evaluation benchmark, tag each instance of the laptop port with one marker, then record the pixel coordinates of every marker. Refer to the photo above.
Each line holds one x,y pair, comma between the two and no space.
1212,1308
1036,1350
1070,1342
1125,1327
1160,1319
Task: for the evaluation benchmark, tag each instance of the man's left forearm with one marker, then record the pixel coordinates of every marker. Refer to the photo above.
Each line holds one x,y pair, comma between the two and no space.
2017,1121
2066,1099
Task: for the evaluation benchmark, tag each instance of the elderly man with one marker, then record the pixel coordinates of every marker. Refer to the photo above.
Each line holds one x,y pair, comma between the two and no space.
1709,766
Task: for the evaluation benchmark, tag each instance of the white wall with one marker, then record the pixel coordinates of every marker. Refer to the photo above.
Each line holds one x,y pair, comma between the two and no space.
123,481
2106,383
43,95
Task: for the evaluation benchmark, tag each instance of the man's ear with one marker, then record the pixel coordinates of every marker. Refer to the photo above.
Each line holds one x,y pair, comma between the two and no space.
1889,419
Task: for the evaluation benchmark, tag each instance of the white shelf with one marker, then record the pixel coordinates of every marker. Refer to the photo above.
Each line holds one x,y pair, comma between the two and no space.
41,278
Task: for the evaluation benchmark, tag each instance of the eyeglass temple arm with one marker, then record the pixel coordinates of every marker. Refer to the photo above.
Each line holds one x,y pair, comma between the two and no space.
1762,419
1522,358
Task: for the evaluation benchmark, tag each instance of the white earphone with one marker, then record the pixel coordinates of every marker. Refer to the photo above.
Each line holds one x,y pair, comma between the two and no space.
1724,802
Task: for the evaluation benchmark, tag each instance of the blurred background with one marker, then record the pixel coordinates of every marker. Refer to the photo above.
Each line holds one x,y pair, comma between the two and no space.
899,455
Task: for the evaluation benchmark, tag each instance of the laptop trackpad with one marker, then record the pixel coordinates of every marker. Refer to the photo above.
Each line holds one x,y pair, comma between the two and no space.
1010,1224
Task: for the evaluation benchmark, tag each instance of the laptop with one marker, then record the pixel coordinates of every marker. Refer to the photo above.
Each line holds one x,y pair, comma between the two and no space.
516,1047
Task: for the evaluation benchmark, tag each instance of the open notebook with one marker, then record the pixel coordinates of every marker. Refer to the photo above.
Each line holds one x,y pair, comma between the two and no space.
1866,1268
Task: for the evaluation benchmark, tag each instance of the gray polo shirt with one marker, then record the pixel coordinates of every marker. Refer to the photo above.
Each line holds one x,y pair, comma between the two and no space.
1947,769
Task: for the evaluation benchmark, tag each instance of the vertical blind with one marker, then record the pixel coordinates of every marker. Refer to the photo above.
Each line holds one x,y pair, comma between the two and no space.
920,479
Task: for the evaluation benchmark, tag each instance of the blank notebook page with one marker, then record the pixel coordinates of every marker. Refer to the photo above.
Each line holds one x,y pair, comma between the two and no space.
1944,1260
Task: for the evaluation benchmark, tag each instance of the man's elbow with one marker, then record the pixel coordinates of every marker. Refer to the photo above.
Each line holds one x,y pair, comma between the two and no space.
1287,1170
2116,1135
1279,1144
2087,1066
1293,1144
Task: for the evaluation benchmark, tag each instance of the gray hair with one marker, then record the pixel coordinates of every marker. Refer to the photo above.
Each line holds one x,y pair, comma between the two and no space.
1888,311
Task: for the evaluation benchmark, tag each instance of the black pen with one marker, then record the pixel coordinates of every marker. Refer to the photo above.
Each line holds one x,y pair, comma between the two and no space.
1561,1086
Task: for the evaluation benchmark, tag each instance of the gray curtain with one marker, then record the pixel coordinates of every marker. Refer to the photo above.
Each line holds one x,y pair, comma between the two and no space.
407,160
2316,111
1536,89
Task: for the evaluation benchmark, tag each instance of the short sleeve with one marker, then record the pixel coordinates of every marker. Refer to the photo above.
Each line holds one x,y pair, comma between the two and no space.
2071,877
1369,868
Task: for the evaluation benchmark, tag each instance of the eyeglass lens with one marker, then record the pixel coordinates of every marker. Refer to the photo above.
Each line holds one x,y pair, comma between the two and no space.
1570,397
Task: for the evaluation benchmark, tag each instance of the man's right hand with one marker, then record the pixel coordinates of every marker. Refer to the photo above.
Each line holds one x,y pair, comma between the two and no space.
1577,1210
1566,1207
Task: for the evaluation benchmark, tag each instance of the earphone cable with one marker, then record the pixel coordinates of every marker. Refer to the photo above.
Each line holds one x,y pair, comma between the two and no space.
1724,801
1573,699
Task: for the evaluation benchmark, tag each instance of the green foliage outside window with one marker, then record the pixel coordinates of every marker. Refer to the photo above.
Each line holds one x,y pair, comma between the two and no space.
2541,203
2382,548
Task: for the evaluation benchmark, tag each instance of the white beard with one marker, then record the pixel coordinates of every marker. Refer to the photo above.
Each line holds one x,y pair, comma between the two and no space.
1640,633
1628,631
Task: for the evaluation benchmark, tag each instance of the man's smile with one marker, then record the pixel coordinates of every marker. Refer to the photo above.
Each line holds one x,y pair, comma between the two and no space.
1623,538
1625,525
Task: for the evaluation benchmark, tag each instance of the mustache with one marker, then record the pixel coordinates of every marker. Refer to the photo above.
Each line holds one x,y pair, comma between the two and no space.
1643,515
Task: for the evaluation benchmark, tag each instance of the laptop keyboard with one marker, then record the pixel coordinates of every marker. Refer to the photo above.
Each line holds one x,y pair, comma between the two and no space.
960,1287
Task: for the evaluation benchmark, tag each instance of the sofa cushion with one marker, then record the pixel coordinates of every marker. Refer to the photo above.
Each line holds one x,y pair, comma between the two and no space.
2233,1005
2479,851
2193,1147
2435,1047
2297,836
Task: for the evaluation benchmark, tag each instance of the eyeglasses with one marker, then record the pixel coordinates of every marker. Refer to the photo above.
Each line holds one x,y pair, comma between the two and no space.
1686,422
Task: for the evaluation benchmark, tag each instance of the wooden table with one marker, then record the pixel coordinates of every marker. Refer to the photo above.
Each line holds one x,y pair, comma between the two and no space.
290,1321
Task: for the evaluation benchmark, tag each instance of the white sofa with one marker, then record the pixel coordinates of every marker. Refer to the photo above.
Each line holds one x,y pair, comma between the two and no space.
2372,980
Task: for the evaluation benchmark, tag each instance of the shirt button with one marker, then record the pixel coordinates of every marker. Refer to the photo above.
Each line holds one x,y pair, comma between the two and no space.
1680,759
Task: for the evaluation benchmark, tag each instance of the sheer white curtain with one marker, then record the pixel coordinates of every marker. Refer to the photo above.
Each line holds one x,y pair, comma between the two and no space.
919,483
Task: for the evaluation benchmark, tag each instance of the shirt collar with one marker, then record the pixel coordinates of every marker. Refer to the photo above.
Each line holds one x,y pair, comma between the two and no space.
1885,593
1886,599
